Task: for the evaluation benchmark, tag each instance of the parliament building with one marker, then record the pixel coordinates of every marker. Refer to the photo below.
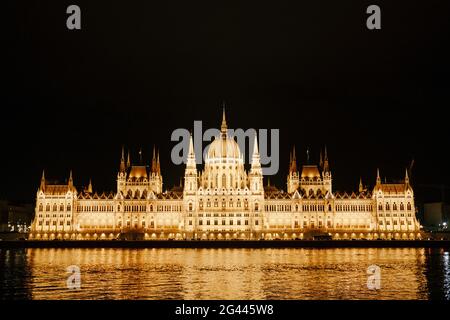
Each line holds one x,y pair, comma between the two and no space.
224,201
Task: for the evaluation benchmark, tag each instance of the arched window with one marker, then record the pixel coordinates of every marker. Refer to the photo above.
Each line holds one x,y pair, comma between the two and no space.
55,207
41,207
387,206
329,207
256,206
190,206
69,207
409,206
61,207
296,207
224,181
394,206
402,206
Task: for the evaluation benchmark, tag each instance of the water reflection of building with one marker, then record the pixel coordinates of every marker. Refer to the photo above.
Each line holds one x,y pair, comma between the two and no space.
15,275
224,201
437,272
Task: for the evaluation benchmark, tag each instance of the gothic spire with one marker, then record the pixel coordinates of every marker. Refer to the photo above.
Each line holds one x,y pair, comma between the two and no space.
326,166
256,159
70,180
224,127
361,188
158,165
89,188
128,159
191,162
378,176
43,181
293,168
154,168
122,161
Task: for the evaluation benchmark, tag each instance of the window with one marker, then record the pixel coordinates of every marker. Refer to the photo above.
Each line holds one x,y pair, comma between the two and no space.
190,206
256,206
224,180
55,207
41,207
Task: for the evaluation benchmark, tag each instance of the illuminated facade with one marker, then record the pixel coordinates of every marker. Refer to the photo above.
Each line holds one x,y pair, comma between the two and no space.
224,201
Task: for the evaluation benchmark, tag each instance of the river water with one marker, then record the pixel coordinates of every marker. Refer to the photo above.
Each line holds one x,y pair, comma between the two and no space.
225,273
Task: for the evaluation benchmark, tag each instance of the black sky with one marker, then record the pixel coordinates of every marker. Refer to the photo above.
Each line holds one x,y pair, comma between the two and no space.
138,70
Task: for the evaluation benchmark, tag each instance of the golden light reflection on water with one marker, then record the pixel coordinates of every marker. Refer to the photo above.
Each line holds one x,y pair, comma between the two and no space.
226,273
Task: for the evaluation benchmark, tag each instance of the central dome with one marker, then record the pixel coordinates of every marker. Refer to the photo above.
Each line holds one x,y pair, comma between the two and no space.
224,163
223,146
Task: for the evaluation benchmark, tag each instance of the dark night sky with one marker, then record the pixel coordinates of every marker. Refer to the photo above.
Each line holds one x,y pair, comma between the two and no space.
137,70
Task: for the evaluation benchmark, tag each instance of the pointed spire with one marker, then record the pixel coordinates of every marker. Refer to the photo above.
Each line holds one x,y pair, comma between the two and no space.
128,160
191,162
122,161
42,187
361,188
256,159
154,168
378,176
89,188
255,146
158,165
326,166
406,176
70,180
293,167
224,127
